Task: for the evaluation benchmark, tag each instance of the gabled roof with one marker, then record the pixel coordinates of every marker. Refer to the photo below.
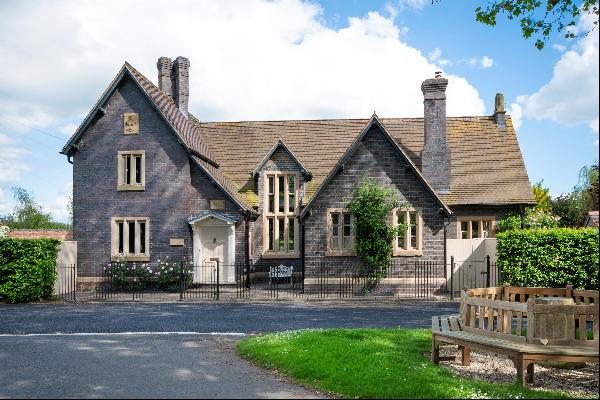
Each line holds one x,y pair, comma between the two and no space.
281,144
186,131
374,121
223,216
487,166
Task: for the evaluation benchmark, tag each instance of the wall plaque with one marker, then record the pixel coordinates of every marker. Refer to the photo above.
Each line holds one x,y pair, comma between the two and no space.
176,242
131,123
217,204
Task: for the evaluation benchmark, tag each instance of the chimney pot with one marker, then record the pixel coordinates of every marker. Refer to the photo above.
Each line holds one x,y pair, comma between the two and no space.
499,112
180,77
438,74
164,65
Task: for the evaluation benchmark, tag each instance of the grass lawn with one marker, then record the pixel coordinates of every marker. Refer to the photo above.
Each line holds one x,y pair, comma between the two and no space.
372,363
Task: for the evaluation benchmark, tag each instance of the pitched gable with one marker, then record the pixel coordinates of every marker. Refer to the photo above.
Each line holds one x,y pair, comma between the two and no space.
281,145
374,122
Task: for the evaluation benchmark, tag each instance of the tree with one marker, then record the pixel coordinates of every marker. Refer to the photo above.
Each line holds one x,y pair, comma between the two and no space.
542,197
371,205
539,18
27,214
572,207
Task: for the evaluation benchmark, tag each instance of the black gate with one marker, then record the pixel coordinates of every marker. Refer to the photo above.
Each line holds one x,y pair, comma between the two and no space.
472,273
65,285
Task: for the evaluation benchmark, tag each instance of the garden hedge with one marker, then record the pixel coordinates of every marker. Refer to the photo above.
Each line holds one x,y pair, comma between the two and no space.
27,269
549,257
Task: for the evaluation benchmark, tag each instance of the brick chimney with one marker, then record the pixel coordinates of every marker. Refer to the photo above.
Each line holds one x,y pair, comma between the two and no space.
180,78
499,112
435,156
164,65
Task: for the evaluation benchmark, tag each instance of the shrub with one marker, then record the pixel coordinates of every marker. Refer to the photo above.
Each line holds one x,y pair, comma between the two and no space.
171,275
549,257
27,269
533,219
129,276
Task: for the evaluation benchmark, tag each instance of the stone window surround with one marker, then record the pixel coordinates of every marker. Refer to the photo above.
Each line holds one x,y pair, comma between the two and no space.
114,228
121,185
276,214
480,220
411,252
329,252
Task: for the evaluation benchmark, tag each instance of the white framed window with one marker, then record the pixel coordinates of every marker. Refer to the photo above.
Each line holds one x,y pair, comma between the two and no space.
131,166
340,233
475,227
280,223
130,238
409,241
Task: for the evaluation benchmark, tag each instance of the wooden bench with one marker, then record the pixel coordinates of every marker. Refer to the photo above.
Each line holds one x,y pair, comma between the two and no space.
525,331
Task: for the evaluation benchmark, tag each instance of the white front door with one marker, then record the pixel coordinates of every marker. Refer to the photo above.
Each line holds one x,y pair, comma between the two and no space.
213,248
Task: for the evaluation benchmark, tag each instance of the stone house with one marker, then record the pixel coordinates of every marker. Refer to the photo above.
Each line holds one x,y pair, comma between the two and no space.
151,180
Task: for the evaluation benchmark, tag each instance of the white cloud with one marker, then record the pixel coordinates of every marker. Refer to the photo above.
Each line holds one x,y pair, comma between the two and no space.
68,129
571,95
516,114
12,163
58,206
486,62
250,59
5,203
414,4
436,57
559,47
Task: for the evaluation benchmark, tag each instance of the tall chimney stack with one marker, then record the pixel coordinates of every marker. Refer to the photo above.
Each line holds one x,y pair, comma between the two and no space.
164,65
435,156
499,112
180,77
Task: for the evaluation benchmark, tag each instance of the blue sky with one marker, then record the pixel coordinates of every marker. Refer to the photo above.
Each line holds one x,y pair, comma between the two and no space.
287,59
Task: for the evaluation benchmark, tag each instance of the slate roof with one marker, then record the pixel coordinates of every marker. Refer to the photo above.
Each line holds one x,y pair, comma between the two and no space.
487,166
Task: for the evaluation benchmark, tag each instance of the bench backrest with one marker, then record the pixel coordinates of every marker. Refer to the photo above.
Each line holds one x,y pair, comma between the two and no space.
563,325
495,318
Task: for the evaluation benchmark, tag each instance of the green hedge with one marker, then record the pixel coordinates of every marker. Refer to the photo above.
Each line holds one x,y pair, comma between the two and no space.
549,257
27,269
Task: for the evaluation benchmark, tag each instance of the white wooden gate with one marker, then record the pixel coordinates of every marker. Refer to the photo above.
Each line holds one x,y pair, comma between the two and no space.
470,262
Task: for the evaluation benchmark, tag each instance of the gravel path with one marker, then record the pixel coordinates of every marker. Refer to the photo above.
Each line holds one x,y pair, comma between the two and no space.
495,368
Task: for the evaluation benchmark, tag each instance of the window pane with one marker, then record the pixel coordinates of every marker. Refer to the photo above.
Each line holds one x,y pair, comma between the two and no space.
413,230
291,193
271,233
127,170
335,231
281,189
281,244
291,234
121,239
138,170
131,238
464,226
475,229
142,237
271,198
347,240
486,229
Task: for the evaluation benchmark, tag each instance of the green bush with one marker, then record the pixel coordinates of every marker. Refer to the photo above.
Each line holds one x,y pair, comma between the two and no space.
27,269
549,257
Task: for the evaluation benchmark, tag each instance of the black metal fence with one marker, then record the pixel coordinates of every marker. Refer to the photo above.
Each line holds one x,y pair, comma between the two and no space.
322,279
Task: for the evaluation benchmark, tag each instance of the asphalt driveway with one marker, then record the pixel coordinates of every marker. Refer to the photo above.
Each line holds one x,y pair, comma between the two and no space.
166,350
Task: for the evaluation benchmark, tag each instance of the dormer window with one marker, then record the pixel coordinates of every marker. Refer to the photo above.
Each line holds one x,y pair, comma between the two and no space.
131,170
280,224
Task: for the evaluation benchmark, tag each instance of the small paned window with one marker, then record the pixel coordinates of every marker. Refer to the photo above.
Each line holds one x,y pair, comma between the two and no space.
475,228
130,238
408,242
280,214
340,232
130,166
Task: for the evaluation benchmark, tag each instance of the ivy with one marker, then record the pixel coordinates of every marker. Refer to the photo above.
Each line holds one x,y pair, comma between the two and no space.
371,205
